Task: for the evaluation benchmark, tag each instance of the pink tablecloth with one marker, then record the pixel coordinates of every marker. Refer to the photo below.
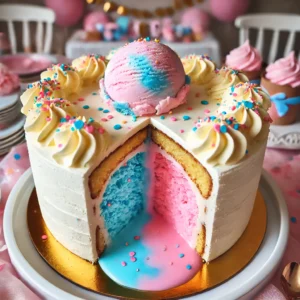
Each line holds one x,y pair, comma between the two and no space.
283,165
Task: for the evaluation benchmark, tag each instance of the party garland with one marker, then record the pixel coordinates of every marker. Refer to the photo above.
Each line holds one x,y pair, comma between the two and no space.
111,6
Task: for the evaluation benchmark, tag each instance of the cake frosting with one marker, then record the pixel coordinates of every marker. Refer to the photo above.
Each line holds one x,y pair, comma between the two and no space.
285,71
107,181
9,82
144,79
199,67
244,58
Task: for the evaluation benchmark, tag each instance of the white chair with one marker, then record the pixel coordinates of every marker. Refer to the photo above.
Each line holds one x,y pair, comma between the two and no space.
274,22
29,13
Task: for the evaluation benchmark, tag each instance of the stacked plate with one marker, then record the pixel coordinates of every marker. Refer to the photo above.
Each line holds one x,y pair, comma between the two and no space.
11,122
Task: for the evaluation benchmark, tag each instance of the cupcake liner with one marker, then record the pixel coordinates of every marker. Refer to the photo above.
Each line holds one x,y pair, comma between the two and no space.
272,88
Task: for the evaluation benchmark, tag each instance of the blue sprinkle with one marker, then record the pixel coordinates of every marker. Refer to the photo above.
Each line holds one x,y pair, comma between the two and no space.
57,130
17,156
181,255
133,118
223,128
204,102
78,124
85,107
100,108
72,128
236,126
117,127
189,267
91,120
224,112
218,104
106,111
187,79
185,118
162,117
39,105
248,104
212,118
63,120
293,219
229,122
94,94
148,39
194,129
247,152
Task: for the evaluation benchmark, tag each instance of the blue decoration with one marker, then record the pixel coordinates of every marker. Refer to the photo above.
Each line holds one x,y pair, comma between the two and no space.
187,79
185,118
282,103
17,156
117,127
248,104
123,23
151,78
123,108
79,124
223,128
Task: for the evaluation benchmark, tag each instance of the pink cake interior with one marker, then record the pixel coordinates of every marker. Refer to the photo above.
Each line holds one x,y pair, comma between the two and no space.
173,197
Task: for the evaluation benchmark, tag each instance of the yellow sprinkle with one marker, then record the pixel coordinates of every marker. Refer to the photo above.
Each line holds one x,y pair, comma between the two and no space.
170,112
156,40
124,122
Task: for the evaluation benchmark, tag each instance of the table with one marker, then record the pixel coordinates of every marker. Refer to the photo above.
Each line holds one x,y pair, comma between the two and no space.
283,165
76,47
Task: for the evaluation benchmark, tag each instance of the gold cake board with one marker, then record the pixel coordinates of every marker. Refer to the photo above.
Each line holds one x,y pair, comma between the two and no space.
91,277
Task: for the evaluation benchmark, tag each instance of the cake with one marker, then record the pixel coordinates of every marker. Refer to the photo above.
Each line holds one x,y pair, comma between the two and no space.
246,59
153,172
282,81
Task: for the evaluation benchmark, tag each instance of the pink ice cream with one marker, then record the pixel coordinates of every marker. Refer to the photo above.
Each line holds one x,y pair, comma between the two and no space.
147,77
9,82
285,71
244,58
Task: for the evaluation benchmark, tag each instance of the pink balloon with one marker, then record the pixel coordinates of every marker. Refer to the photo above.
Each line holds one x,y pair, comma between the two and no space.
93,18
195,18
229,10
68,12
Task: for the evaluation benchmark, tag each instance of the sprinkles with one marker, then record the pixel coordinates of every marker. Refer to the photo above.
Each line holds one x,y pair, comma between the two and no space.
189,267
85,107
181,255
17,156
204,102
117,127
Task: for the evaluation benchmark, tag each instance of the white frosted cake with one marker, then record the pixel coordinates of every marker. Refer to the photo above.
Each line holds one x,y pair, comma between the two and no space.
153,144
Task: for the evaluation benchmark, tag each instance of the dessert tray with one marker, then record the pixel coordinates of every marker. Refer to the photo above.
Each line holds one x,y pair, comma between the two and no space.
48,283
285,137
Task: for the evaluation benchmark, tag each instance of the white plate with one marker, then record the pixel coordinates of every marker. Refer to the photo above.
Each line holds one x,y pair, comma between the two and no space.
285,137
13,128
9,100
35,271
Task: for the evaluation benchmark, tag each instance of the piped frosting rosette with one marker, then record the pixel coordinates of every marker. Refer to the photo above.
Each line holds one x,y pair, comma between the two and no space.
78,141
44,89
242,118
246,104
90,67
69,79
223,79
46,116
199,68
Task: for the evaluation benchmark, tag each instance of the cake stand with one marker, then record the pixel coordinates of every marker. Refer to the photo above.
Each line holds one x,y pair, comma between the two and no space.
285,137
49,284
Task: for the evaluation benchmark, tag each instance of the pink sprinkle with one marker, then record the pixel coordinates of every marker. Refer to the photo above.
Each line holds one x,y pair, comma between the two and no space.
48,119
181,131
126,244
44,237
213,145
101,130
110,117
206,111
104,120
89,129
1,267
133,259
108,204
60,145
131,253
128,180
44,108
129,128
173,119
171,263
80,99
190,108
234,94
217,127
68,117
233,108
123,263
137,237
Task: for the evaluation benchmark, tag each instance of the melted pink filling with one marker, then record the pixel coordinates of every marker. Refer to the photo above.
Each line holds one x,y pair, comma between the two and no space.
173,197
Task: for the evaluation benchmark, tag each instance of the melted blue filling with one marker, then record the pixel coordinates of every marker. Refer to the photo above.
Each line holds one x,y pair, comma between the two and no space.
150,77
123,108
125,195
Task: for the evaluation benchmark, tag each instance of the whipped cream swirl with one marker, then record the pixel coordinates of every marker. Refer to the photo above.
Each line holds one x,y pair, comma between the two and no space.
285,71
244,58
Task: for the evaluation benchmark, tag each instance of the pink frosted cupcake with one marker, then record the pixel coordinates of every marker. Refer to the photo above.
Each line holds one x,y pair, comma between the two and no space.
9,82
282,81
247,60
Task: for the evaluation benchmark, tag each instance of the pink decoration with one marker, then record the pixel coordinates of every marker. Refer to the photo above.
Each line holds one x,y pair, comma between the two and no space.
229,10
155,29
108,33
195,18
68,12
94,18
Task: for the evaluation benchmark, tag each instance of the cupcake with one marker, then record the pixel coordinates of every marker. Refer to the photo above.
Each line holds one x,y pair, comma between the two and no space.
9,82
282,81
246,59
